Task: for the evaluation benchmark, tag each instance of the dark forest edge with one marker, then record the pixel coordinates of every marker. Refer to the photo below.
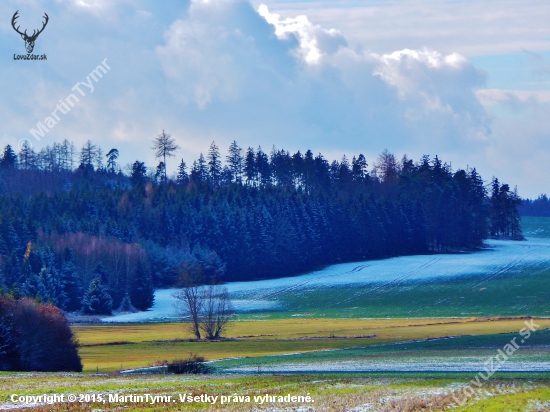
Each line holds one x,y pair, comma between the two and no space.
535,207
88,236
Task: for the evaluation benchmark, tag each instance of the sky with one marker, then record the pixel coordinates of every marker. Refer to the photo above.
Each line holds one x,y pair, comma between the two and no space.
468,81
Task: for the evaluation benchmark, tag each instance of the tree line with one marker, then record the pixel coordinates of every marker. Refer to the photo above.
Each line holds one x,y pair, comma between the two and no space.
82,232
535,207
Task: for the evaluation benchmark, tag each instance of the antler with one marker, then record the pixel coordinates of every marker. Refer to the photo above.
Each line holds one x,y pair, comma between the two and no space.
34,34
13,19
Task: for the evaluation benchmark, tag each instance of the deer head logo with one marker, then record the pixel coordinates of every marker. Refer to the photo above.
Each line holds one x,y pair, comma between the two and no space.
29,40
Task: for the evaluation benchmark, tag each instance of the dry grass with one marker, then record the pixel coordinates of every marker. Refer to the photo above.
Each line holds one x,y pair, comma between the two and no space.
148,343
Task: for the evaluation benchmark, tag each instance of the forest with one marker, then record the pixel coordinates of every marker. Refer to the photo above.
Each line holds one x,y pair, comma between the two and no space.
535,207
82,232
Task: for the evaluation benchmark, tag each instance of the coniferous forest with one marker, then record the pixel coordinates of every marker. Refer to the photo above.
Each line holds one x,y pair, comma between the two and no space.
81,232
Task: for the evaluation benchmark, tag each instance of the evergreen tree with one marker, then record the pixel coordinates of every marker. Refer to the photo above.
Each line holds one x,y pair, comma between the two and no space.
250,169
126,304
359,168
112,156
160,172
182,177
263,167
214,164
88,156
235,162
139,172
27,156
199,172
97,300
141,288
9,159
102,272
71,283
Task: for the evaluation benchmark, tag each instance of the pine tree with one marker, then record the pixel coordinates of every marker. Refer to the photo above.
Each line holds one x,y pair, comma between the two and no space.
214,164
199,172
160,172
141,288
88,156
138,173
112,156
9,159
359,168
182,177
102,272
27,156
97,300
235,162
71,282
263,167
250,169
126,304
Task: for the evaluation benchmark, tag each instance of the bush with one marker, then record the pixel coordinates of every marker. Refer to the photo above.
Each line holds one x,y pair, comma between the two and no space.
194,364
36,337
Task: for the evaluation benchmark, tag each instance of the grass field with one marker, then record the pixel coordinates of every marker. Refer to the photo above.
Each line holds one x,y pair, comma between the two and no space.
328,392
115,347
463,353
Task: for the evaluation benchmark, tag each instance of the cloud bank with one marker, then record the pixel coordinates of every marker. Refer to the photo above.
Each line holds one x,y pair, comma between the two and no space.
227,69
286,79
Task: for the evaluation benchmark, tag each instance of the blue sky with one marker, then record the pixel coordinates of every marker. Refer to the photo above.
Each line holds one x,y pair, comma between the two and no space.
466,80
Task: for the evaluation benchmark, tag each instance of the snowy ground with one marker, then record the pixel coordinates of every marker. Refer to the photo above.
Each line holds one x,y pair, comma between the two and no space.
263,295
421,365
165,310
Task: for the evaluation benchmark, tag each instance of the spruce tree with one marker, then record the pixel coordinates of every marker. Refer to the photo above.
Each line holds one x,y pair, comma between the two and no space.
112,156
182,177
71,282
97,300
141,288
250,169
235,162
126,304
214,164
9,158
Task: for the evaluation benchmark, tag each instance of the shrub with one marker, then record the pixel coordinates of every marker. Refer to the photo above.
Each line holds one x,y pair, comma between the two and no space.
38,338
194,364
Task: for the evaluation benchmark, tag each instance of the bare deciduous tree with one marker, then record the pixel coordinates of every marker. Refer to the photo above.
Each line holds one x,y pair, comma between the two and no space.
216,311
164,146
190,305
204,308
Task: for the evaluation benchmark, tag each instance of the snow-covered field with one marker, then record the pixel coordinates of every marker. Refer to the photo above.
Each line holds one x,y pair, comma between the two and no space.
421,365
165,309
501,257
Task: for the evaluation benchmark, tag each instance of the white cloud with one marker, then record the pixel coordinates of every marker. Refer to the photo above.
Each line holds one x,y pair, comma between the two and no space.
314,40
299,80
471,28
